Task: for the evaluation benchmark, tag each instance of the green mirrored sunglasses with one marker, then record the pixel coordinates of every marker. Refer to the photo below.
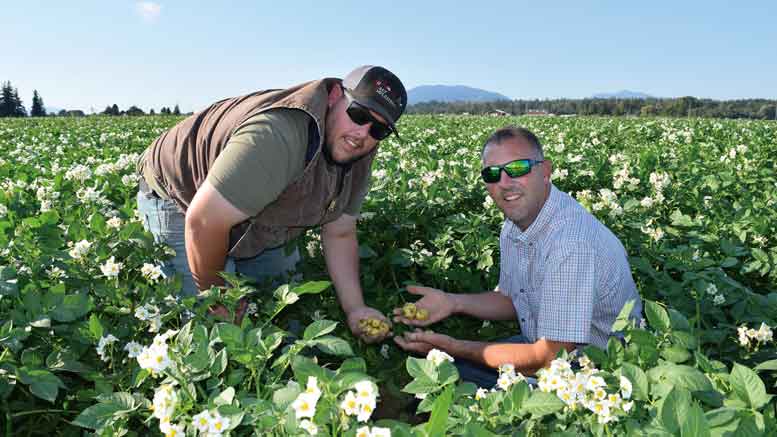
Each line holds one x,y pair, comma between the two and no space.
514,169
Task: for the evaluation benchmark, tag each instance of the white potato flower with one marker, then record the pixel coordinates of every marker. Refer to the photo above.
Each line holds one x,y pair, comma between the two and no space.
380,432
114,223
365,410
308,426
364,390
626,387
153,273
437,357
218,424
172,430
104,342
80,249
202,421
312,388
111,268
164,403
155,358
133,349
350,405
304,405
146,312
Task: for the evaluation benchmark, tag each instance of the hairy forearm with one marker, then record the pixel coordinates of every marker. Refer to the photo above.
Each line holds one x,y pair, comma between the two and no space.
206,252
487,306
341,252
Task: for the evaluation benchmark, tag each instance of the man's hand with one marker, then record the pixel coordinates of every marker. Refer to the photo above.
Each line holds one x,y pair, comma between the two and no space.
437,303
364,313
421,342
221,312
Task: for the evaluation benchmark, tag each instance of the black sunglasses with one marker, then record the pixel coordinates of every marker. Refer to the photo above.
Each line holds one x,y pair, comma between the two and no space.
514,169
361,116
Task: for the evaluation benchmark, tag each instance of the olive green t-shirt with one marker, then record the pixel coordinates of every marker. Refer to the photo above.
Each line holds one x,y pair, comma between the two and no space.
264,155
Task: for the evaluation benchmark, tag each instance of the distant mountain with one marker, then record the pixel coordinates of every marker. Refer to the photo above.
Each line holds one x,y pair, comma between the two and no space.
623,94
451,93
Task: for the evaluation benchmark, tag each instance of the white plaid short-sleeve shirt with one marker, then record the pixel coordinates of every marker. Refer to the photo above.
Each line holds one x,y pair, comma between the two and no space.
567,275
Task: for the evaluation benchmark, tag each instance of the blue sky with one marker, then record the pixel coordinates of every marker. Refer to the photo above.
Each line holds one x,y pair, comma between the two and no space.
89,54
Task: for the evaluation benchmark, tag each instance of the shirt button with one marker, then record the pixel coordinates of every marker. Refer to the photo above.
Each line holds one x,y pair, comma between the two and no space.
523,320
530,244
522,290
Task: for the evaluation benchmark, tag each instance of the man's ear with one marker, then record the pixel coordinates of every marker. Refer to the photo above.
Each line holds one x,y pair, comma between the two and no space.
335,94
547,169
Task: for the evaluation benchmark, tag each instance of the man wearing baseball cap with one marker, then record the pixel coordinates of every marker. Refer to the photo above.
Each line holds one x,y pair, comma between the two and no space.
228,187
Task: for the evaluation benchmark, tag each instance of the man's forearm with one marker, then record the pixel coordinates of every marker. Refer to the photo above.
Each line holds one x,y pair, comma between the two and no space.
486,306
341,252
206,252
527,358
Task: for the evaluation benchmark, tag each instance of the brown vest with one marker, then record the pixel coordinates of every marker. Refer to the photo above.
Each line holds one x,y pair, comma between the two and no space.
181,157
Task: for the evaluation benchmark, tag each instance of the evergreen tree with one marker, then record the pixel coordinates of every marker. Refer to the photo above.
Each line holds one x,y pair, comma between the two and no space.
151,112
10,103
115,109
6,100
19,110
134,110
38,110
176,111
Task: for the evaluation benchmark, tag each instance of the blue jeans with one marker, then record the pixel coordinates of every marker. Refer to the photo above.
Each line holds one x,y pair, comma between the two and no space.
481,375
166,222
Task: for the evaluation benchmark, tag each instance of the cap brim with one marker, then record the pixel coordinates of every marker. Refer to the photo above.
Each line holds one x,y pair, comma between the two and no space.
371,104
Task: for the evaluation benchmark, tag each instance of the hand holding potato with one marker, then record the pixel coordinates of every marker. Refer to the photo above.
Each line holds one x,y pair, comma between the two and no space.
435,305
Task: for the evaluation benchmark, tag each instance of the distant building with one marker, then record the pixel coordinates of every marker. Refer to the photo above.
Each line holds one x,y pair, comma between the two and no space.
538,113
498,113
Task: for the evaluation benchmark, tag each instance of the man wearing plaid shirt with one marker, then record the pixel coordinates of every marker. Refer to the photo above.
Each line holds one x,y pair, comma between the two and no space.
563,274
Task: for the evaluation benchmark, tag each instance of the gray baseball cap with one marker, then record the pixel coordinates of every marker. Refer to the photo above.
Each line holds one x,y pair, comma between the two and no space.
378,89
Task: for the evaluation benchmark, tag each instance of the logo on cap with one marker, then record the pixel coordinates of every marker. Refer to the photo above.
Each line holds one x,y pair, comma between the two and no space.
379,83
383,89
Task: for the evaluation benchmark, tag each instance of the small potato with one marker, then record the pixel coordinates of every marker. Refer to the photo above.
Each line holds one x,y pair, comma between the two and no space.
374,327
411,311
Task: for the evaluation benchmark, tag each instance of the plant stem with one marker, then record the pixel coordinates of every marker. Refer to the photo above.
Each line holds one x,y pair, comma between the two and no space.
8,428
698,324
184,387
27,413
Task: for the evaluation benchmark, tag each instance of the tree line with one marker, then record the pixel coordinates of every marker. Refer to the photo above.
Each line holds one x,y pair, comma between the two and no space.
675,107
11,105
134,110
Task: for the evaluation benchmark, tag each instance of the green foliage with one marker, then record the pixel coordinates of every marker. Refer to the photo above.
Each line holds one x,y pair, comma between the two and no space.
709,272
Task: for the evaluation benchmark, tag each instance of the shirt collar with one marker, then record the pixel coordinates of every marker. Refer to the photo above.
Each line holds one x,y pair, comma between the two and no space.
534,230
